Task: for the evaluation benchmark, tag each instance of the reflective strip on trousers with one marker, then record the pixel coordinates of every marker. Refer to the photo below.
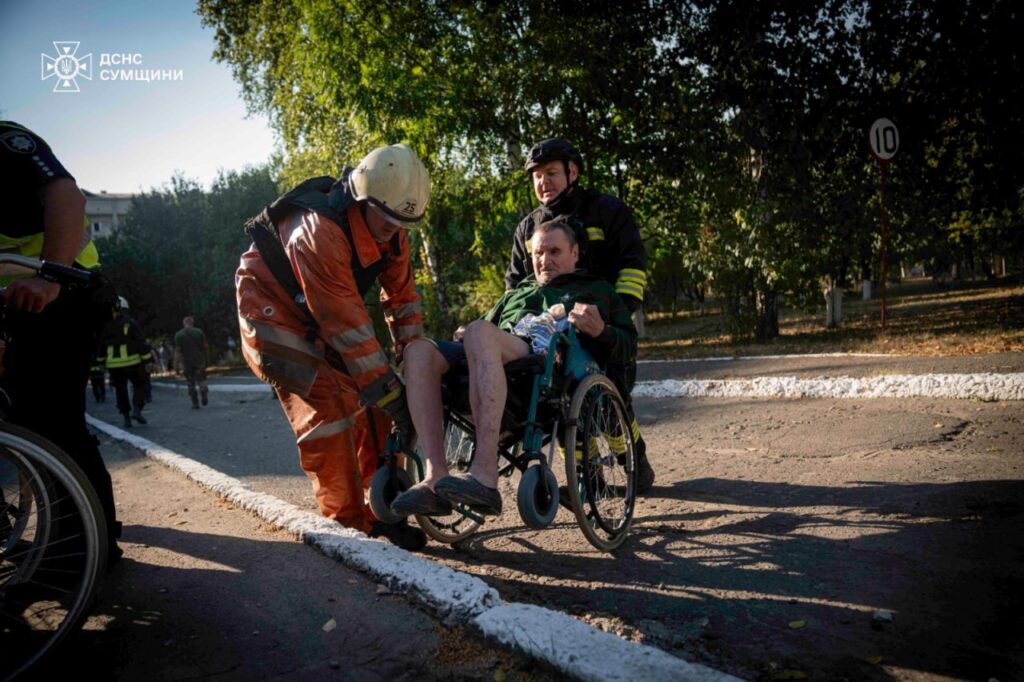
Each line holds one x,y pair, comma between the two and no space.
285,359
266,332
352,338
366,363
325,429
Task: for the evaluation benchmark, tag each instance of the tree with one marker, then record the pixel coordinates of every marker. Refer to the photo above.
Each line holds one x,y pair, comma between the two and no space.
178,248
735,129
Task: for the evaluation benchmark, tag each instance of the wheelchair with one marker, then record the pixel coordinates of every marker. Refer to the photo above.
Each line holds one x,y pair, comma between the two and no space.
559,402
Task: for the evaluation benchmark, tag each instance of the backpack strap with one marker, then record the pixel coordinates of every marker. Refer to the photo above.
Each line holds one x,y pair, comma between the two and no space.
327,197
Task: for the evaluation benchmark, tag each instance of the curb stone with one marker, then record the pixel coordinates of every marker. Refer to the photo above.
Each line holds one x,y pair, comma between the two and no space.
454,597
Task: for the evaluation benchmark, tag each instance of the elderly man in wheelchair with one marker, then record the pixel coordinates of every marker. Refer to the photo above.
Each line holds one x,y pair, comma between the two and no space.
529,384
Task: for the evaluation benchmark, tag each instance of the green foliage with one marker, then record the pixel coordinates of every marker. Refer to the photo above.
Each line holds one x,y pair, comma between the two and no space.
735,130
177,250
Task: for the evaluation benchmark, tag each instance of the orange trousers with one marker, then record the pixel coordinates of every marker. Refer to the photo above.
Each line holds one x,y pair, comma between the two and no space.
339,443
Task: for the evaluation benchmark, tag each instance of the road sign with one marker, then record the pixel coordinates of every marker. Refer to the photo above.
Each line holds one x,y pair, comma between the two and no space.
884,139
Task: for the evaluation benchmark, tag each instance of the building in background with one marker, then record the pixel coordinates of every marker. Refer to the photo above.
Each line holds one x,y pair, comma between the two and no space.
106,211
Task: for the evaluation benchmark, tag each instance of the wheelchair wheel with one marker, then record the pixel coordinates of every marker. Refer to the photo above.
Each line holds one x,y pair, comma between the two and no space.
458,449
383,491
601,477
537,506
53,548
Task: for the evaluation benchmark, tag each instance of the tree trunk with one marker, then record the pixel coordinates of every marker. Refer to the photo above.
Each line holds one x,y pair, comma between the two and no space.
434,268
767,308
833,304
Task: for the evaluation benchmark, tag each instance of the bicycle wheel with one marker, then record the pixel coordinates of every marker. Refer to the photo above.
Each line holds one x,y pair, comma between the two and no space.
53,544
601,477
458,449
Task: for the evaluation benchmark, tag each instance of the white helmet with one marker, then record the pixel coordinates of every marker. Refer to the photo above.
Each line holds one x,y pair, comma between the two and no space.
393,179
122,303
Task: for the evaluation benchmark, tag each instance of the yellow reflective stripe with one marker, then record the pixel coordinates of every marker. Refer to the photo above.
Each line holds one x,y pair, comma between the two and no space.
32,246
408,331
595,234
11,243
366,363
636,429
617,443
266,332
403,311
89,256
353,337
325,429
633,274
628,288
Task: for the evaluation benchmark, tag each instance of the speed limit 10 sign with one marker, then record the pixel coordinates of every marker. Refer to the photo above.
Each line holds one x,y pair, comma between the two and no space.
884,139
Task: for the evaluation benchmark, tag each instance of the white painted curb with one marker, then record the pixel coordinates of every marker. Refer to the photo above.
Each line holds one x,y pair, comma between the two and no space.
571,646
956,386
585,652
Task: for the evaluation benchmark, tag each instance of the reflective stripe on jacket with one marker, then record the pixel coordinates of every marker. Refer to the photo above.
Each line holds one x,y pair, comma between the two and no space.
123,345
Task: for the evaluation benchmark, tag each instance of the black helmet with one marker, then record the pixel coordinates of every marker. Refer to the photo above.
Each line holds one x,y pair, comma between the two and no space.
554,149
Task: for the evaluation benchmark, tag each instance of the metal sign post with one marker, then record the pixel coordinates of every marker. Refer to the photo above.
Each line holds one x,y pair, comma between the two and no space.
884,141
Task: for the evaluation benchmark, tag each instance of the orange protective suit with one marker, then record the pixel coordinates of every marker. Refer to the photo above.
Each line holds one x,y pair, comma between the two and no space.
338,441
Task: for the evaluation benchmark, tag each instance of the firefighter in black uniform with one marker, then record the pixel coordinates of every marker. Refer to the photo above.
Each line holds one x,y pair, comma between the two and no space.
52,330
610,247
125,353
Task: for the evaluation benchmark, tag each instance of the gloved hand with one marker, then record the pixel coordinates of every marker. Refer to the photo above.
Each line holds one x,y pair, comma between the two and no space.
388,394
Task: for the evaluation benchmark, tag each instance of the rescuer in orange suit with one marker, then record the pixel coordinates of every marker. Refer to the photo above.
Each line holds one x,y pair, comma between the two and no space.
316,251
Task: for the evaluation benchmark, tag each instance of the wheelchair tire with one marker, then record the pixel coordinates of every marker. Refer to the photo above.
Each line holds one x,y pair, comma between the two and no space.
384,490
458,448
537,507
601,473
53,548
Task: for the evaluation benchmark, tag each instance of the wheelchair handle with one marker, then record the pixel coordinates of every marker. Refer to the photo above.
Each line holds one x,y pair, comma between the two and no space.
48,270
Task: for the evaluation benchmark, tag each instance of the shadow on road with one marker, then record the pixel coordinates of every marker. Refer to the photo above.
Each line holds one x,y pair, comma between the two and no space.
789,577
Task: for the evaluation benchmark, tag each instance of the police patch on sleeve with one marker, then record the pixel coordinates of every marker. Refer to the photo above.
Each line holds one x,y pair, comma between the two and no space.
18,142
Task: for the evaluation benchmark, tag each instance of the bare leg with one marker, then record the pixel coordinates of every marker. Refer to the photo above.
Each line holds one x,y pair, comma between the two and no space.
487,350
424,367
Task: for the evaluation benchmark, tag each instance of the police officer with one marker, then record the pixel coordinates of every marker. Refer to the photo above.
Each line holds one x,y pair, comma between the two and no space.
610,247
52,330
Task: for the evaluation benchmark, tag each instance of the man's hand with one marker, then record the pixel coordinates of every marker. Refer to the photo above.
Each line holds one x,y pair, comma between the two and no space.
31,295
459,333
587,319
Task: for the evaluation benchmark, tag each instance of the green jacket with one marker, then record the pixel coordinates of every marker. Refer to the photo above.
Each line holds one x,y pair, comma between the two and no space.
617,343
191,342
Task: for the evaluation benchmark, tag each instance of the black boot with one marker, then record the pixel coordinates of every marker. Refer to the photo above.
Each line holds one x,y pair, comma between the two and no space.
195,398
205,396
644,472
127,422
400,534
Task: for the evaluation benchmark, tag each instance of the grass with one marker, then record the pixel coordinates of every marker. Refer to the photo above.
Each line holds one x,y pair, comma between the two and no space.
923,318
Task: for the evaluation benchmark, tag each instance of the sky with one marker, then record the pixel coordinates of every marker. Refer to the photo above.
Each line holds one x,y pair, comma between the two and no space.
117,135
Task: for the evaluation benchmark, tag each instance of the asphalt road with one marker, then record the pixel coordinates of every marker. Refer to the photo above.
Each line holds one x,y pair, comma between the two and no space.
856,539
